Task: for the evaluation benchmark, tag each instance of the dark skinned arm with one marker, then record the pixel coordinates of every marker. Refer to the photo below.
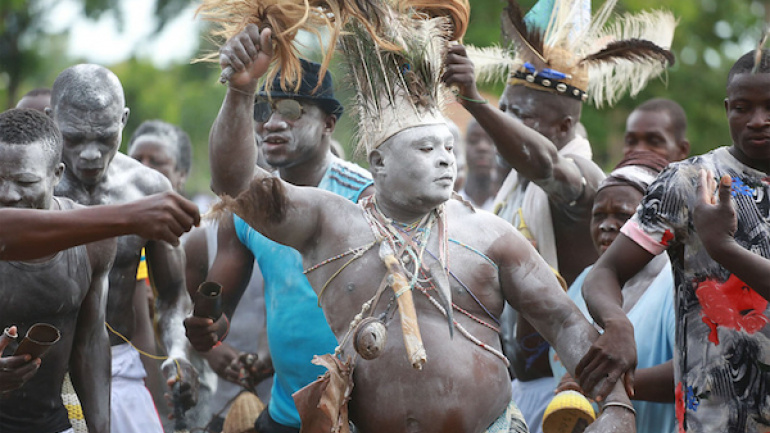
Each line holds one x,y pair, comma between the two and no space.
232,141
166,264
530,153
232,269
654,384
144,340
531,288
232,148
90,359
613,354
26,234
716,216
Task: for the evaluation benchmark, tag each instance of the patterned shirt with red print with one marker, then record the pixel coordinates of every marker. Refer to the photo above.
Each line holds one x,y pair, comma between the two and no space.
722,357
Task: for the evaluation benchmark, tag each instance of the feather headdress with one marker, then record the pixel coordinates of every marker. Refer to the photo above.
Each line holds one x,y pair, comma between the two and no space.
578,55
398,89
286,18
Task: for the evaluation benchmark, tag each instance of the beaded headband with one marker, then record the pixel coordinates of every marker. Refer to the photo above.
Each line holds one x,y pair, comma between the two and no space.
566,51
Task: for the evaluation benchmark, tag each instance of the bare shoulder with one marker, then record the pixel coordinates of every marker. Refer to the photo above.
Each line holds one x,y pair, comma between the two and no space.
127,171
476,220
486,232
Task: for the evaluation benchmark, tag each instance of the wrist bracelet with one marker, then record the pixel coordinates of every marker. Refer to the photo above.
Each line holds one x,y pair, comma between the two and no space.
478,101
227,330
619,404
250,95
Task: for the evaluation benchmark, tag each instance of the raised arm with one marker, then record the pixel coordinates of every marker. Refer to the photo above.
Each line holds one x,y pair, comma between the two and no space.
27,234
716,217
531,288
90,360
530,153
232,147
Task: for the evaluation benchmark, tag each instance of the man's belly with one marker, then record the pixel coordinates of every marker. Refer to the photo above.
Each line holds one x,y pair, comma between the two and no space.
462,388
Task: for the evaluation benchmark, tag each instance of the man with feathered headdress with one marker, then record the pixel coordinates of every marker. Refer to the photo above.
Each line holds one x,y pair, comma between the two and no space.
560,57
392,271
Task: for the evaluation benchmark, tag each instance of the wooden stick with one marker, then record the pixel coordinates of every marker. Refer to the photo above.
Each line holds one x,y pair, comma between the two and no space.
415,350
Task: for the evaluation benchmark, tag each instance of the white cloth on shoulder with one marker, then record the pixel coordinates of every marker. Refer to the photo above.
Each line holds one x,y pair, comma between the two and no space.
519,193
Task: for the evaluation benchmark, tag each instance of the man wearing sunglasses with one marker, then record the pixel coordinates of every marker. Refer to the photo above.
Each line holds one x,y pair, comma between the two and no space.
294,130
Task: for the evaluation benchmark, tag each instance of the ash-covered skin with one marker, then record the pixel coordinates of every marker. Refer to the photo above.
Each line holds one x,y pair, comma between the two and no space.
462,387
89,107
31,388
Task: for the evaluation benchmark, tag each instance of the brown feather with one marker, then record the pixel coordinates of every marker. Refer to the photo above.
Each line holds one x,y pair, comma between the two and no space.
630,49
458,12
516,31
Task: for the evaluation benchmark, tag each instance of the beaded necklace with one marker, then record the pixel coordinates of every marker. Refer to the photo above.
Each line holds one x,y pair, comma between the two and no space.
392,232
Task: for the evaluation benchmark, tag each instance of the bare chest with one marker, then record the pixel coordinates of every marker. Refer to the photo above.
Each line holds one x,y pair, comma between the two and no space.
348,279
51,291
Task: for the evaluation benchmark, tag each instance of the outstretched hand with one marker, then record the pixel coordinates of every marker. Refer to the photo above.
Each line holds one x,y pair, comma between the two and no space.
15,371
164,216
714,215
611,357
249,54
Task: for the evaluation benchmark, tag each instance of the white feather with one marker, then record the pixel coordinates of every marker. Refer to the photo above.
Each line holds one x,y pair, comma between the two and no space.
491,64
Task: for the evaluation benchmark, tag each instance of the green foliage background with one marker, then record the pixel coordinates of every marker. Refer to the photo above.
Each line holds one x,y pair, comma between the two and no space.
710,36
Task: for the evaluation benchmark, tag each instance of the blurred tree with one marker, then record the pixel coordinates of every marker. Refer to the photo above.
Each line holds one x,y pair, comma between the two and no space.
710,36
186,95
21,28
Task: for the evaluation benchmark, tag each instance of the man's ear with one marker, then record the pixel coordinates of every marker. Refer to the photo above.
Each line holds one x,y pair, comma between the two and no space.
124,119
725,105
58,172
376,161
566,125
48,112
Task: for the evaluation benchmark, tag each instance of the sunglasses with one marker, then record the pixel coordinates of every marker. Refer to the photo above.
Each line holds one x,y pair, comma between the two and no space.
289,109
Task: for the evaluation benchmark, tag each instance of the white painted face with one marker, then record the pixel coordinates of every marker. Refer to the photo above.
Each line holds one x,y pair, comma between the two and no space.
91,139
418,167
27,176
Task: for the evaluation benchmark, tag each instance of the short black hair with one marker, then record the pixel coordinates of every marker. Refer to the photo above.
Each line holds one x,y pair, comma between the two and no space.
172,134
23,126
675,113
745,64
